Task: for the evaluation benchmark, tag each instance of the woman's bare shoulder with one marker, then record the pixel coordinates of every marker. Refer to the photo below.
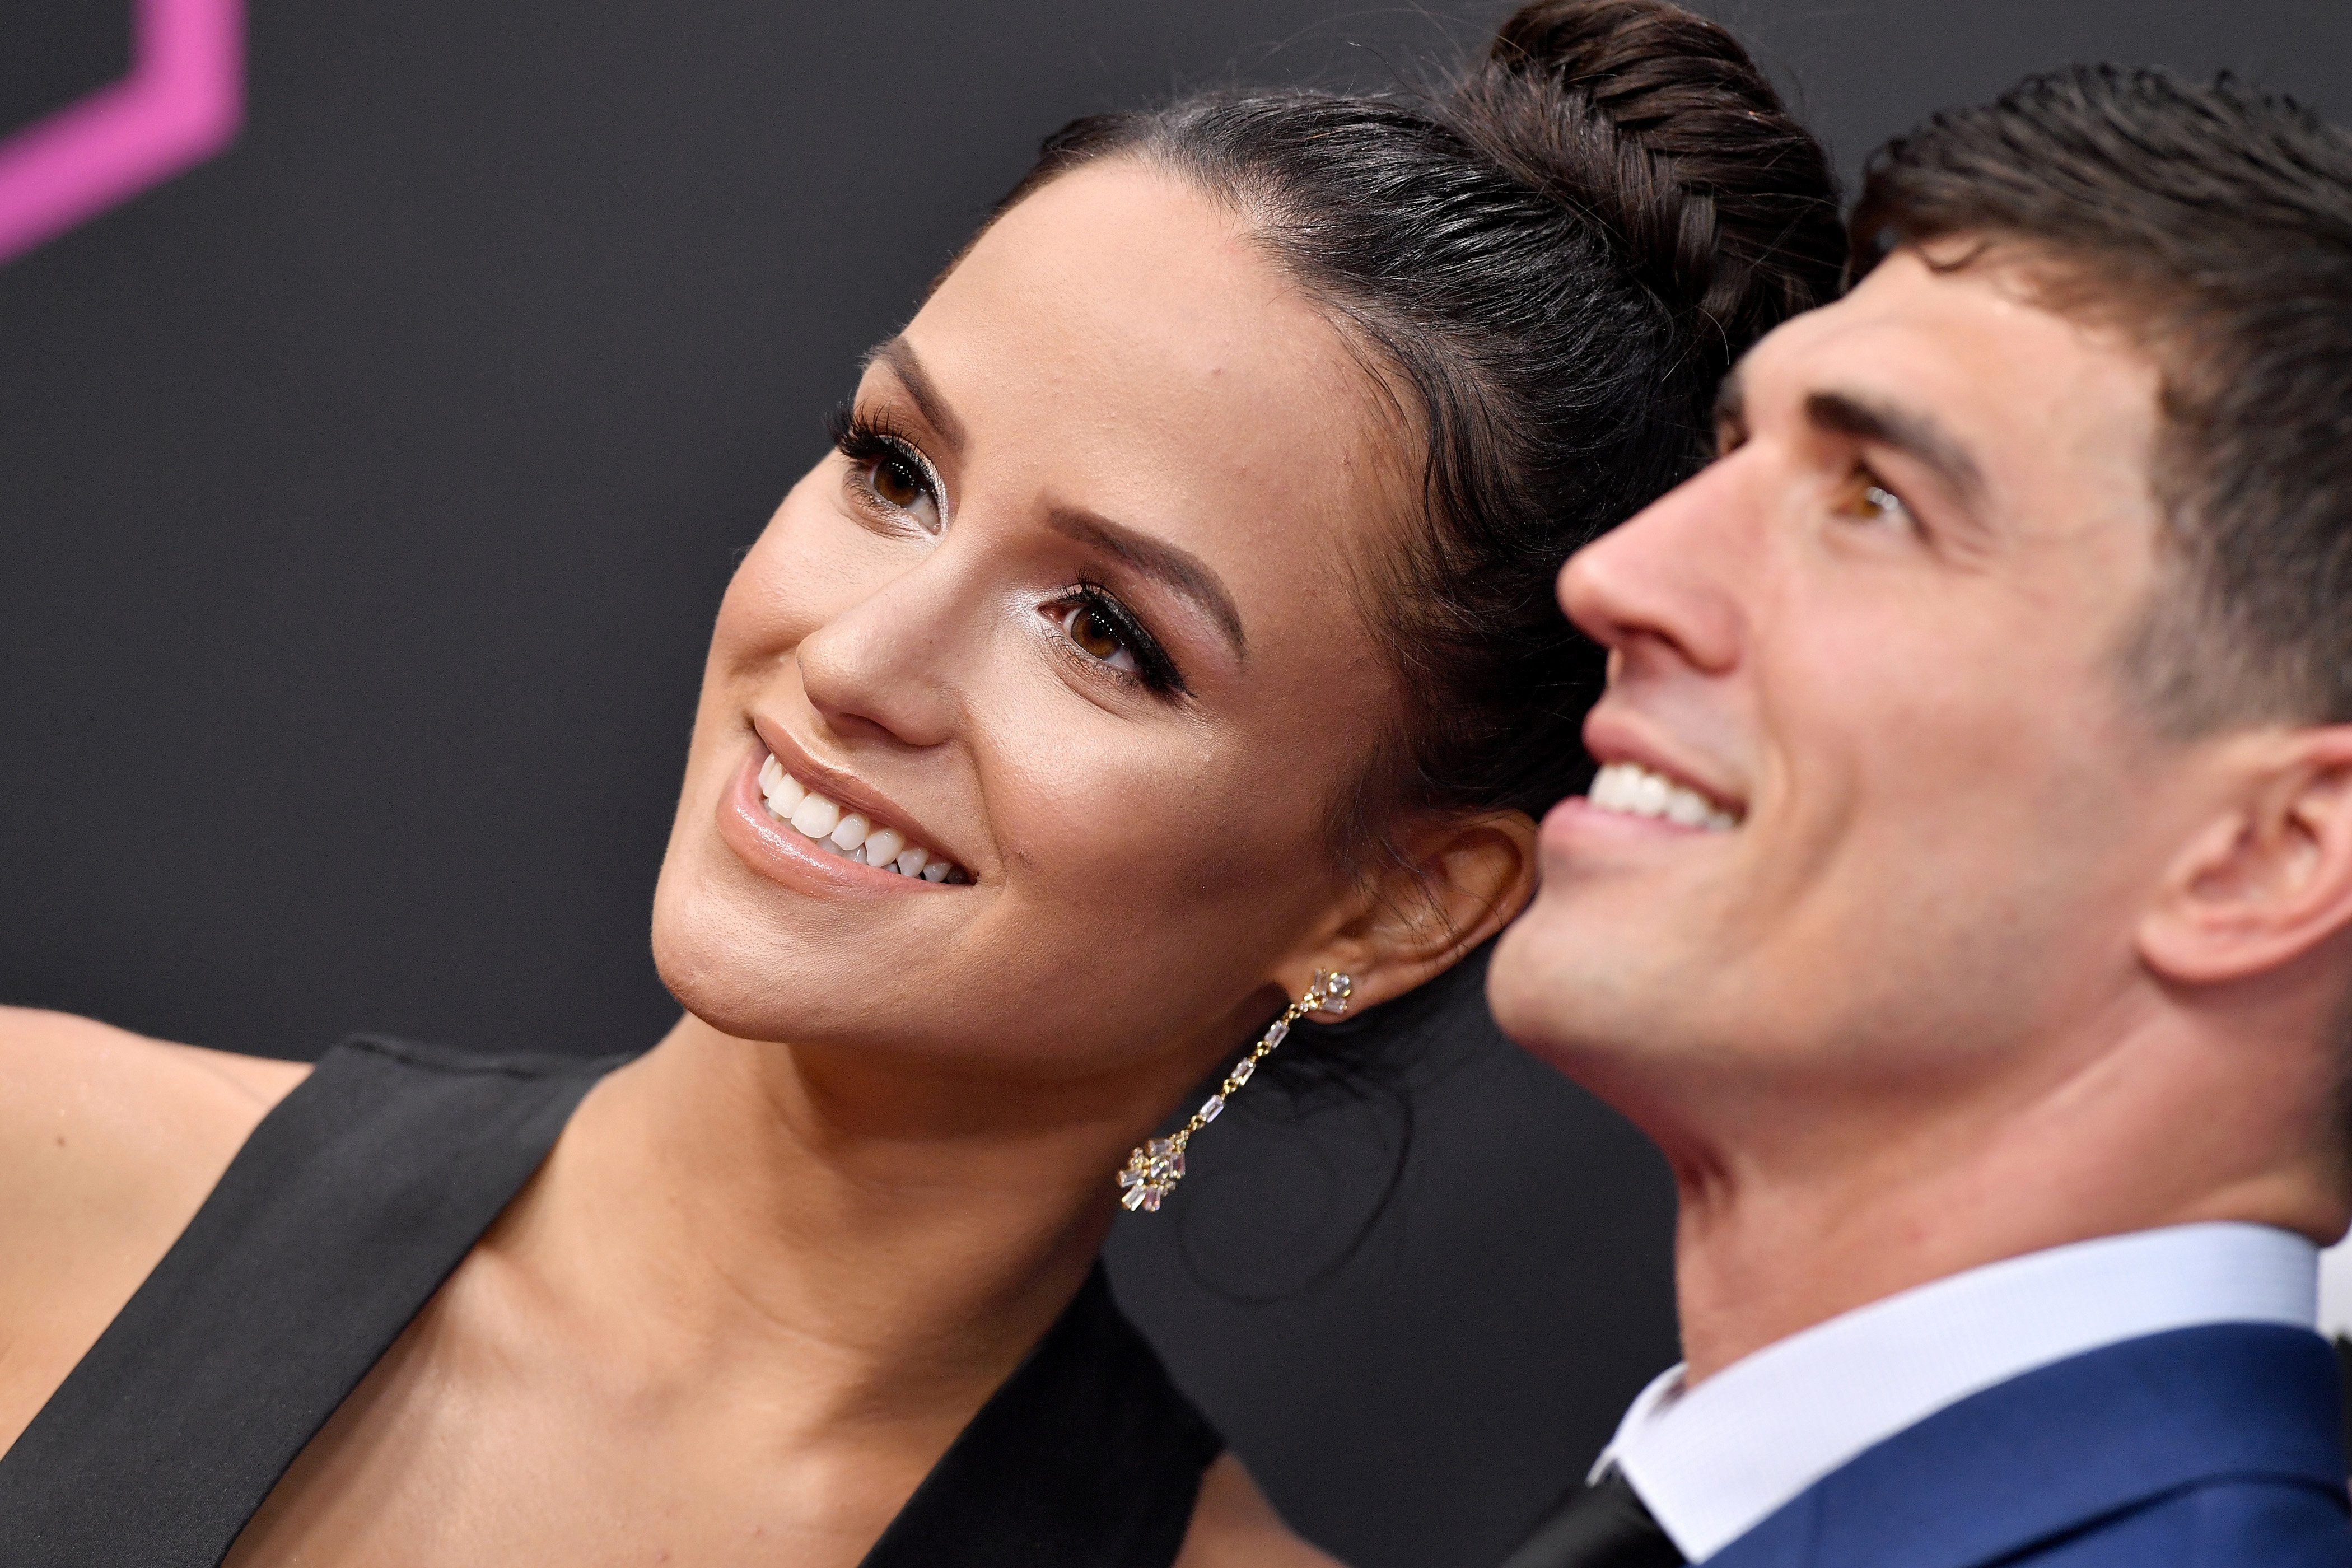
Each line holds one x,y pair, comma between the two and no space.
78,1083
108,1143
1235,1526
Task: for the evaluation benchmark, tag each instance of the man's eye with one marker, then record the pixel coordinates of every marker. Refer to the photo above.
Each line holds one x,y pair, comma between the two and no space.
1870,501
1096,637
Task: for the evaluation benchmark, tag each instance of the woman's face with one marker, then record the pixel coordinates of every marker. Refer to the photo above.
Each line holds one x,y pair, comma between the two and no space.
1071,611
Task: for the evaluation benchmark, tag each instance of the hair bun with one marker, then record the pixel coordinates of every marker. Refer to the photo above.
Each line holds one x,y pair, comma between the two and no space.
1656,123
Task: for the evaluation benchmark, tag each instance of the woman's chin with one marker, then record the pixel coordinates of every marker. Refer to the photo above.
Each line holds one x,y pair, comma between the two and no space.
734,969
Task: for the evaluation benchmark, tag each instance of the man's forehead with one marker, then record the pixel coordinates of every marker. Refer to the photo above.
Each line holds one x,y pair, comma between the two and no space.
1970,348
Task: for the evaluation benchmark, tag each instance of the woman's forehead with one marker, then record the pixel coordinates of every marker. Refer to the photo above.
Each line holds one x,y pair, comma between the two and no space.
1119,341
1127,303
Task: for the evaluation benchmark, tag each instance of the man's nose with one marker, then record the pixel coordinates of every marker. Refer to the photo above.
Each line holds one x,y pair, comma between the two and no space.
1666,581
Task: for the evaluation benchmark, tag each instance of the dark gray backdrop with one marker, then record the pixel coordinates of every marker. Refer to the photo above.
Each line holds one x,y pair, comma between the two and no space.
364,495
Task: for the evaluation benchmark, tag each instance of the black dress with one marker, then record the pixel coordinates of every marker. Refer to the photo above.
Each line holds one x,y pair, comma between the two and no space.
342,1214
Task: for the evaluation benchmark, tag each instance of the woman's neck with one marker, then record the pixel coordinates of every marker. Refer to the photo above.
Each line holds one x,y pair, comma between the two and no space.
874,1238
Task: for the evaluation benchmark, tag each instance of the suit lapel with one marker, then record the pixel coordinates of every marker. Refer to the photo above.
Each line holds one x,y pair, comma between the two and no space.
2066,1446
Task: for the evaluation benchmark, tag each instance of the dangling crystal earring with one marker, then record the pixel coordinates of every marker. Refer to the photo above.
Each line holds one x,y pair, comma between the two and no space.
1153,1171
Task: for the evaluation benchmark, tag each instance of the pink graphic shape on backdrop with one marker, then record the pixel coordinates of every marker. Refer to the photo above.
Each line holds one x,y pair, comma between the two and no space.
181,104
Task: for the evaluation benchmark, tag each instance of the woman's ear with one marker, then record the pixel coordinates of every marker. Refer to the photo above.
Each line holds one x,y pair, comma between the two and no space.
2270,877
1455,883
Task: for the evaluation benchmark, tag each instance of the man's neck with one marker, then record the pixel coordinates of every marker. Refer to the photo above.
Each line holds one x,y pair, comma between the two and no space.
1777,1232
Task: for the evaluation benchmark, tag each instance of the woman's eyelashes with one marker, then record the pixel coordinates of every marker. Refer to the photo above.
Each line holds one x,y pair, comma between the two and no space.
1107,632
889,478
892,482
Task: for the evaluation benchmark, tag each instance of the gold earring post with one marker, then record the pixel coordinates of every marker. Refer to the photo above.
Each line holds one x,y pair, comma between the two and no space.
1153,1170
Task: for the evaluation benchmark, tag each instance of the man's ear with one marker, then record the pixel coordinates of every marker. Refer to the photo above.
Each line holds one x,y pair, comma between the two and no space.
1456,882
2269,878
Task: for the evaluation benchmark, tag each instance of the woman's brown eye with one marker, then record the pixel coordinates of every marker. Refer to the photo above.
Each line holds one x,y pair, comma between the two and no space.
1092,633
898,483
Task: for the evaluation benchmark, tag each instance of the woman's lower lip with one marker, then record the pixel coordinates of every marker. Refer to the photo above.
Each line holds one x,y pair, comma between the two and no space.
775,851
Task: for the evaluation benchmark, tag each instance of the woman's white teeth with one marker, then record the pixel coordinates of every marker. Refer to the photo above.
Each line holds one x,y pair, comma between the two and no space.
782,791
816,817
848,833
1636,791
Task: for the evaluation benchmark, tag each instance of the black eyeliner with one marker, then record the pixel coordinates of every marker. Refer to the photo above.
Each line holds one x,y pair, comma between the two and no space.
866,440
1153,666
862,439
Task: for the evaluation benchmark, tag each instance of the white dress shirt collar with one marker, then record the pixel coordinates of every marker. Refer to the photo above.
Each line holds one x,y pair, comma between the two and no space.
1715,1461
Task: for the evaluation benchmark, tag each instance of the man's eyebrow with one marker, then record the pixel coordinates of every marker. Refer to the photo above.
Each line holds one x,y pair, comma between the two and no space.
1178,569
908,366
1916,434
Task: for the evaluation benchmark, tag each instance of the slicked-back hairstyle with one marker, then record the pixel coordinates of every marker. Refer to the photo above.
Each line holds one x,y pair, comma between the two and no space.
1550,264
2214,225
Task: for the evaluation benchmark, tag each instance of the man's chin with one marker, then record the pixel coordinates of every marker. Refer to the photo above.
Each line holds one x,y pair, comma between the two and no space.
1537,984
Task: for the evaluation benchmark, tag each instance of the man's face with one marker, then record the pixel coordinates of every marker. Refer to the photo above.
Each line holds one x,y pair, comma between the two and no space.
1878,639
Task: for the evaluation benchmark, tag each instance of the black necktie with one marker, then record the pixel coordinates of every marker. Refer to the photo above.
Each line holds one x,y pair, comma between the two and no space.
1603,1525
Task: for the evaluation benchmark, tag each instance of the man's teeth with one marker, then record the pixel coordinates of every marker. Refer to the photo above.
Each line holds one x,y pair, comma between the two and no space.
1635,791
848,833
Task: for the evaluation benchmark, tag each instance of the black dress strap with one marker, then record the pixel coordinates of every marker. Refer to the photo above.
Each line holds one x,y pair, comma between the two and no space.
346,1209
337,1221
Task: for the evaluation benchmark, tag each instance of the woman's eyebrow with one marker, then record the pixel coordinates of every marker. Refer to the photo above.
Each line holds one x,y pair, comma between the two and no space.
1179,570
908,366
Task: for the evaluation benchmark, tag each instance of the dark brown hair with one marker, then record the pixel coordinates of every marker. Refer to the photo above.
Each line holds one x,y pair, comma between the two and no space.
2214,225
1551,262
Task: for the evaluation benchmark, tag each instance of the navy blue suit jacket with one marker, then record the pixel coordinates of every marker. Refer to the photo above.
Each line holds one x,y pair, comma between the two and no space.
2212,1447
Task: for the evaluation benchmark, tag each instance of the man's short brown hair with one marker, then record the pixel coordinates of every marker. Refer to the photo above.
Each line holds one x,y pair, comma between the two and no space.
2213,225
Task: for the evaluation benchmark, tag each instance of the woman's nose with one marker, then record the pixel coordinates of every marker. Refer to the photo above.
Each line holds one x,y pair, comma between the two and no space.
891,662
1666,581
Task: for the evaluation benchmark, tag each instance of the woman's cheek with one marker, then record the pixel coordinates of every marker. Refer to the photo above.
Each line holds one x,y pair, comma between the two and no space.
1149,838
780,593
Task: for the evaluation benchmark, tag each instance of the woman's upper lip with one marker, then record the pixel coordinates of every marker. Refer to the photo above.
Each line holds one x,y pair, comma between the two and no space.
1613,736
846,790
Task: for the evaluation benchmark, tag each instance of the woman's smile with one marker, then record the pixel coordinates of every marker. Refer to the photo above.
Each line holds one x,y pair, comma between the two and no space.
820,818
819,829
